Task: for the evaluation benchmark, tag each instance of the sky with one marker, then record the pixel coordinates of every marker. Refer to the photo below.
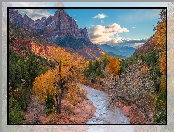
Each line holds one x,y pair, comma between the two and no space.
110,26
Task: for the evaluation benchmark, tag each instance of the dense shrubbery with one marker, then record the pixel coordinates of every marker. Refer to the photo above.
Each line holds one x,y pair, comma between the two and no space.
152,60
126,62
49,103
160,108
24,68
22,72
16,113
96,68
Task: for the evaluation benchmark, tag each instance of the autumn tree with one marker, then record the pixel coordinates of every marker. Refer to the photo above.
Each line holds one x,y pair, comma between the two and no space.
104,60
160,34
160,40
68,70
114,66
45,84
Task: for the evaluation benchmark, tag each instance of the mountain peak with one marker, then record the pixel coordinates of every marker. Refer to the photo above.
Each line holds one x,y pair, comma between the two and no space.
60,12
56,28
26,17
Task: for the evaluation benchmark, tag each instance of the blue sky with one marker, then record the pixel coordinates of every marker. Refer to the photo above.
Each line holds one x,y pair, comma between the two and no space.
139,22
110,26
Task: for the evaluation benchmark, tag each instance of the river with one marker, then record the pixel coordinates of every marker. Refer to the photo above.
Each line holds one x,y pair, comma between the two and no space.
103,114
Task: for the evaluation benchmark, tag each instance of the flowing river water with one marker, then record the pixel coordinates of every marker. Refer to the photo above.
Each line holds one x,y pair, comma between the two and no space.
103,114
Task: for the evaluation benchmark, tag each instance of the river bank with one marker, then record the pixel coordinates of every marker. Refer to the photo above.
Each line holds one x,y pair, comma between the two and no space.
78,114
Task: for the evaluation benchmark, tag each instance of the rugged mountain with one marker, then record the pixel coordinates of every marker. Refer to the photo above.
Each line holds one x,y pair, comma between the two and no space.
147,47
125,50
109,48
61,29
118,51
24,43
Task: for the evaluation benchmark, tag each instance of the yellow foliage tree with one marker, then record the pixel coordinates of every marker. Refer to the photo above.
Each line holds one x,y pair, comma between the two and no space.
160,40
162,62
160,36
114,66
45,84
72,66
75,94
163,82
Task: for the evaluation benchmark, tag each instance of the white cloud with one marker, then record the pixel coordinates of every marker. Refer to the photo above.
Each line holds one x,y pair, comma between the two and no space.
116,40
137,45
75,20
104,34
127,39
146,38
133,27
101,16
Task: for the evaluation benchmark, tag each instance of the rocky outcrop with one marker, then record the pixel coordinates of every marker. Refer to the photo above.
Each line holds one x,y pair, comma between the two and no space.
58,28
60,24
27,23
15,17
